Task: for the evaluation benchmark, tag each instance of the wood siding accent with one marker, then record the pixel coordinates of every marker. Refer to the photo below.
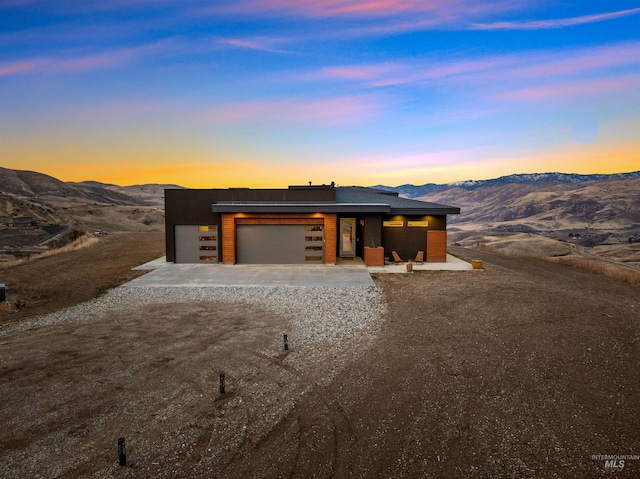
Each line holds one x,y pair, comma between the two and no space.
279,221
228,239
330,238
436,246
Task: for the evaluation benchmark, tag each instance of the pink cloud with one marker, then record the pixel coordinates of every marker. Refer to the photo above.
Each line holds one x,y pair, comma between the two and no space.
581,60
587,88
68,65
390,73
367,73
556,23
18,67
261,44
334,8
334,111
416,165
80,63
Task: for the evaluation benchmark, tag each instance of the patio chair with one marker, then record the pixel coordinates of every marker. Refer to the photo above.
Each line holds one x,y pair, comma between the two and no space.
419,258
396,259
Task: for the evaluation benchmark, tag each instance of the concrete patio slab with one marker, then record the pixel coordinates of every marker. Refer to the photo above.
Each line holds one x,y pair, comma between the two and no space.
452,264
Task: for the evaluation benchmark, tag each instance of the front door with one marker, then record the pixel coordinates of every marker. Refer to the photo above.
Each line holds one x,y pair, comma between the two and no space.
347,237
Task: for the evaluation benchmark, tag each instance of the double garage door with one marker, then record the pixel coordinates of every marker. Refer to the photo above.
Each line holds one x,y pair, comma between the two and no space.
255,244
279,244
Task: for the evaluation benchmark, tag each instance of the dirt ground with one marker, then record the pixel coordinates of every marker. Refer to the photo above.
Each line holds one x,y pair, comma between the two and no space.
59,281
524,369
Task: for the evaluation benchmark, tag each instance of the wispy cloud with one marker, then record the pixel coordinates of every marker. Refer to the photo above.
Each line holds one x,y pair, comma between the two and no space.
367,8
79,63
264,44
555,23
67,65
516,77
389,167
581,88
324,112
400,73
17,67
579,60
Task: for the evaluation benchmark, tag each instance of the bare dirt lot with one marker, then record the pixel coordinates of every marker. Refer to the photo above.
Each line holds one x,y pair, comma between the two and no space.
58,281
523,369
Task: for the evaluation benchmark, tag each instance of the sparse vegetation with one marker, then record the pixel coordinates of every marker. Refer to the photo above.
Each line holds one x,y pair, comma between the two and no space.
622,273
69,237
82,241
619,272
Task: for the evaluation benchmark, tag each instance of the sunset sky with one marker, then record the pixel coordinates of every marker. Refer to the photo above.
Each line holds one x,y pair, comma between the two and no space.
268,93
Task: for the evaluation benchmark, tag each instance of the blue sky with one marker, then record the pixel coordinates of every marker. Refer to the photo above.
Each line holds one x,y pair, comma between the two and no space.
277,92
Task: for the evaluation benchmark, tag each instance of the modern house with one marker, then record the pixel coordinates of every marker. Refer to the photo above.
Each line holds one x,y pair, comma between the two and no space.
301,225
24,222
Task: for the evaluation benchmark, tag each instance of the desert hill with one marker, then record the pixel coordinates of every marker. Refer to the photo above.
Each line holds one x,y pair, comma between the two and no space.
547,214
51,210
539,179
31,184
609,204
545,201
152,194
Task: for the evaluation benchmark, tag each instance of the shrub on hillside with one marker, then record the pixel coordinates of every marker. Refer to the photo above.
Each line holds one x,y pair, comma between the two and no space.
69,237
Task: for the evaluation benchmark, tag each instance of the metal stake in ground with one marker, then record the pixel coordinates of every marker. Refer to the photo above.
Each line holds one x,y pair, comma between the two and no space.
286,343
122,452
221,383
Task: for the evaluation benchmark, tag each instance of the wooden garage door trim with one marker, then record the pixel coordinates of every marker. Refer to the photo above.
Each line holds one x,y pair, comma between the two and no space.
279,221
229,221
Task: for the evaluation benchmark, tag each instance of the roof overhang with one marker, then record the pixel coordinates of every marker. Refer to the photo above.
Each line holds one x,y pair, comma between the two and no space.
449,210
292,208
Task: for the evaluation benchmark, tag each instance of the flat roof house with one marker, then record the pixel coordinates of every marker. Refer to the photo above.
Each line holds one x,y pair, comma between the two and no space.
301,225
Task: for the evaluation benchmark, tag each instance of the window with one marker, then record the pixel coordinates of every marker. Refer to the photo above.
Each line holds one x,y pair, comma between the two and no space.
393,224
207,238
208,248
421,224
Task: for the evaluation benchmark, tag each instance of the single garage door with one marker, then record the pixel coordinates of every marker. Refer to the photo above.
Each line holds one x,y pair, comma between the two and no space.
196,243
279,244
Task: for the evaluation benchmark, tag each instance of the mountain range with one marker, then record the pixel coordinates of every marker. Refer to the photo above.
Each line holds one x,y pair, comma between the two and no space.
413,191
545,201
86,205
538,202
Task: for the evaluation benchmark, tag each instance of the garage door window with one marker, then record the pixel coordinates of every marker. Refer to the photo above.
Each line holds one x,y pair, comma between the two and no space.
196,243
313,243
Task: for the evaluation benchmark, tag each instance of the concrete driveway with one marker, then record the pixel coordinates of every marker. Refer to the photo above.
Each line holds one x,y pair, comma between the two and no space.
195,275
